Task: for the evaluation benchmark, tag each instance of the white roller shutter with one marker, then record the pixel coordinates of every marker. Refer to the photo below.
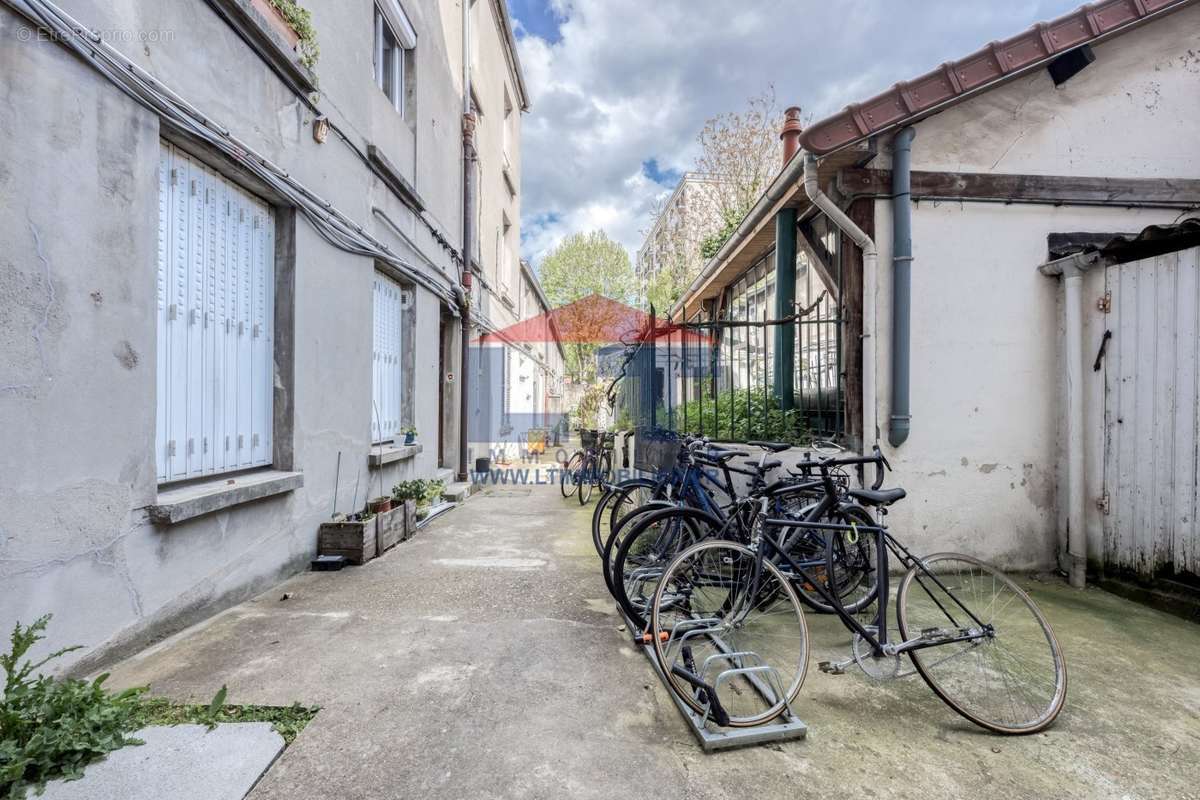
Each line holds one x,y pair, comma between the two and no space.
216,285
386,376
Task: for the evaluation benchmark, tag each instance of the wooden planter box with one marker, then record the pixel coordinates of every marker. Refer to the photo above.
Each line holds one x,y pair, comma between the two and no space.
276,21
395,525
354,540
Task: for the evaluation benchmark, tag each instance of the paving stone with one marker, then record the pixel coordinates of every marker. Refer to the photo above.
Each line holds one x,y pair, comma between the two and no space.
180,762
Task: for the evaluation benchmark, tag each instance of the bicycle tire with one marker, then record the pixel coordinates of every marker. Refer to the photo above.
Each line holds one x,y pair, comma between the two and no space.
606,504
1024,637
569,477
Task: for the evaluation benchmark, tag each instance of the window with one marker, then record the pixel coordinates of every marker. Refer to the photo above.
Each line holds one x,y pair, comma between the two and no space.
507,126
394,42
504,263
387,378
216,319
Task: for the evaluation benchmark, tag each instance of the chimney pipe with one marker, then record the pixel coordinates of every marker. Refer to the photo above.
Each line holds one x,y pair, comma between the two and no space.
790,133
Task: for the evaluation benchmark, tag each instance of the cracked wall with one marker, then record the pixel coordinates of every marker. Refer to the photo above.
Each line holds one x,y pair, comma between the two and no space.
78,249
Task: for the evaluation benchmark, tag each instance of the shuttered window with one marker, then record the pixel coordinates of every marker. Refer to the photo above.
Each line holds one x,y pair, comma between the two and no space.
387,361
216,311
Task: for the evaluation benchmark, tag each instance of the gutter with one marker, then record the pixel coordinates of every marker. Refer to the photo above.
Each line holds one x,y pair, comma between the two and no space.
1071,270
901,285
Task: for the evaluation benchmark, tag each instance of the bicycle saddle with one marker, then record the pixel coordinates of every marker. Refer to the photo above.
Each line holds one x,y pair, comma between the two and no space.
774,447
880,497
723,455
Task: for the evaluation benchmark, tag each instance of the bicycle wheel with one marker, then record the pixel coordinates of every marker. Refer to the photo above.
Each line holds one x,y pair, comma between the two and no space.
1011,681
851,562
568,481
736,627
631,496
646,551
587,480
605,474
607,505
612,545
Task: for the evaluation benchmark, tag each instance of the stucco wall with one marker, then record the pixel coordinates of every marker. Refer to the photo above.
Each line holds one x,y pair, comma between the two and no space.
78,242
982,462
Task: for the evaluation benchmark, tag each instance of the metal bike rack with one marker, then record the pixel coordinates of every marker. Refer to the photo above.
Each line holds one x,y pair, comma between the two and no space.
763,678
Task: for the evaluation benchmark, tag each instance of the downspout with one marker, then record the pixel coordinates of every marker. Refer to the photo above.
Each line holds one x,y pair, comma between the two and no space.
901,284
812,188
468,231
1071,269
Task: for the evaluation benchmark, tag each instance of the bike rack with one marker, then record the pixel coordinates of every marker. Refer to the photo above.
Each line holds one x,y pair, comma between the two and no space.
746,664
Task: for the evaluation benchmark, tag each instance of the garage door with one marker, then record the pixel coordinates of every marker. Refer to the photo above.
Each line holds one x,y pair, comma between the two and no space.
1152,416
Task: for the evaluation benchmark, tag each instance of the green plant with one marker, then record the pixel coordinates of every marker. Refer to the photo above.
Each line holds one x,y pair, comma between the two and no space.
300,18
739,415
434,490
53,728
288,721
410,490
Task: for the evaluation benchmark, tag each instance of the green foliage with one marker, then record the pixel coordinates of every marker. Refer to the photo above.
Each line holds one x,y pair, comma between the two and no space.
711,245
742,414
587,413
423,490
288,721
300,19
53,728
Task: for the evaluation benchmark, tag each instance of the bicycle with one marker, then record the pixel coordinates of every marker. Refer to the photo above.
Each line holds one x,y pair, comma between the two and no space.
975,637
588,467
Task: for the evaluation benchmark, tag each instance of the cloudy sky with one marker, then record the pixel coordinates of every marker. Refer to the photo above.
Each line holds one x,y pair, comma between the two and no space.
620,88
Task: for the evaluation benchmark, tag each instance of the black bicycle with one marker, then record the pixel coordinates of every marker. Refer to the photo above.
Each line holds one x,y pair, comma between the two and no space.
728,627
588,467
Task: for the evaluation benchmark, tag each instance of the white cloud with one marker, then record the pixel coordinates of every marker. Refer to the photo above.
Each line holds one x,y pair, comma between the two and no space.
632,80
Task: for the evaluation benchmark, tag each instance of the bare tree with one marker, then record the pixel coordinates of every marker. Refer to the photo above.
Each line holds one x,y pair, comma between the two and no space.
740,153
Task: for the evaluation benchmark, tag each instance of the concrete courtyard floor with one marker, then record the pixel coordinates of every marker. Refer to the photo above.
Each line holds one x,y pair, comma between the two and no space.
482,659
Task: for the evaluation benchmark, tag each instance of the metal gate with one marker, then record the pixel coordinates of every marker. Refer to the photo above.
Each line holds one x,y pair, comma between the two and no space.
1152,416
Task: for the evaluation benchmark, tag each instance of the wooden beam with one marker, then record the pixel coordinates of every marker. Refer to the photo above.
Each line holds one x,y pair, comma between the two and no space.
817,253
862,212
1047,189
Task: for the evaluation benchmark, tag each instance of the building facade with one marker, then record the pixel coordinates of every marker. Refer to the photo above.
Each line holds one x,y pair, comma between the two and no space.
673,243
1012,152
231,281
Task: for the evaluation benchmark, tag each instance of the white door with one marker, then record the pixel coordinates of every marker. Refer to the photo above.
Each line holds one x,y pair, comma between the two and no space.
1152,416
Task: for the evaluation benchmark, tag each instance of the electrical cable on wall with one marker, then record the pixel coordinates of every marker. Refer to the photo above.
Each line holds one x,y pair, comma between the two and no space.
330,223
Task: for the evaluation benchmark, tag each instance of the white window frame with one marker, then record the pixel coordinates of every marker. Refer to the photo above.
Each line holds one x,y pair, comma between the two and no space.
389,305
216,323
392,23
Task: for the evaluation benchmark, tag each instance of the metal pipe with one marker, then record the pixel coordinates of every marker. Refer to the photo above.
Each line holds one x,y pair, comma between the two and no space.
812,188
468,231
1071,269
901,284
1076,538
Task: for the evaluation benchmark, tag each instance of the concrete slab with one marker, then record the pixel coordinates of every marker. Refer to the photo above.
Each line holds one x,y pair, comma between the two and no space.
483,659
181,762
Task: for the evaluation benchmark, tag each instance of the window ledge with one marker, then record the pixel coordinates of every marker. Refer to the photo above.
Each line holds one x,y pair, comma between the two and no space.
196,499
392,452
257,32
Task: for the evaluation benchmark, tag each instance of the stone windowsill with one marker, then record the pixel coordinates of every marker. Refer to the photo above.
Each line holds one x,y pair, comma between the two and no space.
390,453
181,503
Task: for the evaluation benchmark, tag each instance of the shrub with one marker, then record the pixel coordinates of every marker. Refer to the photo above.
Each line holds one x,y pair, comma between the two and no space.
53,728
739,415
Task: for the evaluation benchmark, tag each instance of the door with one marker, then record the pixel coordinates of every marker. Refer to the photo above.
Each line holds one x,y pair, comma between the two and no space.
1152,417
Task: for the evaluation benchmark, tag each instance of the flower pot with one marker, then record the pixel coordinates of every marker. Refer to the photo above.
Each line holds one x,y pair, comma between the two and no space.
380,504
277,23
410,438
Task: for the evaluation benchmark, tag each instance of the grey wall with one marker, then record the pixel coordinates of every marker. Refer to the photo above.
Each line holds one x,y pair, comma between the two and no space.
78,182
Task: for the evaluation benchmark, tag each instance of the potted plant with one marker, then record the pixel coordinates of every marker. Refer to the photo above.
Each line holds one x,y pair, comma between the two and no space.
352,536
380,504
410,435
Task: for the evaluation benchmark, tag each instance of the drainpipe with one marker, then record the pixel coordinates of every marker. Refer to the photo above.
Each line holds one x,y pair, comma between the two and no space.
468,231
901,283
812,188
1071,269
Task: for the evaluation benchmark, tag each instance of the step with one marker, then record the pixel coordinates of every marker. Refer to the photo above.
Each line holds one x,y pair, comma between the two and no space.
458,491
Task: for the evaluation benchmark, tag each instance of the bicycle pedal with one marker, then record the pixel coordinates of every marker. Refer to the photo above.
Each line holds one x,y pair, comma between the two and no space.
831,668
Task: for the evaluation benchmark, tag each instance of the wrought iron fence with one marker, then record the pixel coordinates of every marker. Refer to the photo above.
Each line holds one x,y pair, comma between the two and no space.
718,378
